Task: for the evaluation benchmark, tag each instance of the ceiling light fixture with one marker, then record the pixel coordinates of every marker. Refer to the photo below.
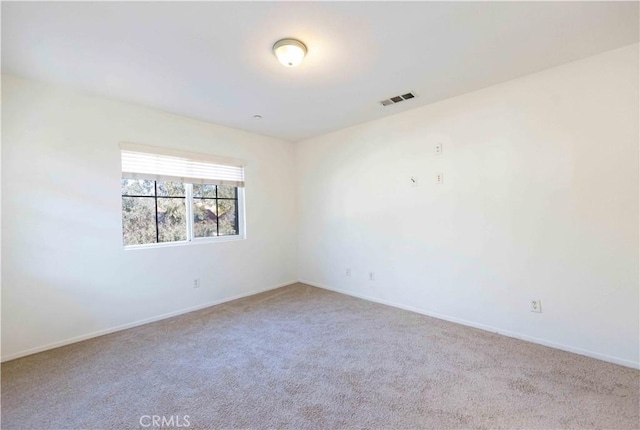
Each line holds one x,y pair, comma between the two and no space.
289,52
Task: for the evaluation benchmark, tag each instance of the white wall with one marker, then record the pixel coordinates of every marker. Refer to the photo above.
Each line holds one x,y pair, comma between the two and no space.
65,272
539,201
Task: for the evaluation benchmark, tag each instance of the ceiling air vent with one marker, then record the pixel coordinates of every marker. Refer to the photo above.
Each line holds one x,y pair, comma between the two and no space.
397,99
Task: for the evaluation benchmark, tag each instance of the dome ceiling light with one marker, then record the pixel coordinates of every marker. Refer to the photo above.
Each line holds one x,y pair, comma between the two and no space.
289,52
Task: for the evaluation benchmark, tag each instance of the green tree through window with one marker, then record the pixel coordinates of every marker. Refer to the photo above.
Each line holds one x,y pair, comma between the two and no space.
159,211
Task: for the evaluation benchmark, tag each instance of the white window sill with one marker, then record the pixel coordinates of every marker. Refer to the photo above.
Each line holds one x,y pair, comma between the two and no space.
200,241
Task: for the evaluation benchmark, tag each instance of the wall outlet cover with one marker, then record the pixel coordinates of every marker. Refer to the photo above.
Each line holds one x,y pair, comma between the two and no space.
536,306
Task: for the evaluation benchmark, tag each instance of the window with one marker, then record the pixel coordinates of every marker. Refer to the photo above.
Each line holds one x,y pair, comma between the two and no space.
172,197
215,210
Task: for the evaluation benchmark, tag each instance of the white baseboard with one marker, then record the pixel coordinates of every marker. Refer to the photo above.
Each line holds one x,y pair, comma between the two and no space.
136,323
580,351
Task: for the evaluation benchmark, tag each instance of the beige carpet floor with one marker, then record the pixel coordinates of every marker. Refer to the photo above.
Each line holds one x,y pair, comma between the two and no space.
304,358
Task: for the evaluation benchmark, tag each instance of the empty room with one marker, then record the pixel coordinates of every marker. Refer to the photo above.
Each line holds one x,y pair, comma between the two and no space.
320,215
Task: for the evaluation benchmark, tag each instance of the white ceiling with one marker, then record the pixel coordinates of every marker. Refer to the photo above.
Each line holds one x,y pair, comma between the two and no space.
213,61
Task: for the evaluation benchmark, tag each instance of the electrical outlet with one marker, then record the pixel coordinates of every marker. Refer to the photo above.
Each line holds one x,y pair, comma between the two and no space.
347,272
196,282
439,149
439,178
536,306
372,276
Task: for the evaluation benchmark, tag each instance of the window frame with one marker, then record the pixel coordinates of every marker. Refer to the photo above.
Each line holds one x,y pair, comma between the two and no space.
191,239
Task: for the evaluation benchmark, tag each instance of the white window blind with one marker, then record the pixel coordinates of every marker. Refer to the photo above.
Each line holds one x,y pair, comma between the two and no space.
162,164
